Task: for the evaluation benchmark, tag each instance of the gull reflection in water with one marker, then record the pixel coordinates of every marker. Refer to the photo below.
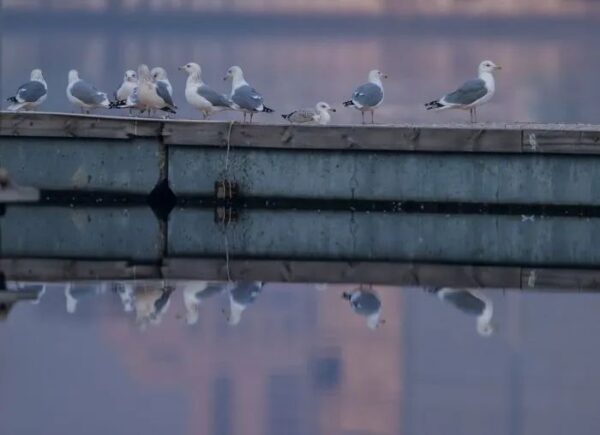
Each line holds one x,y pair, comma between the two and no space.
8,298
126,292
195,292
472,302
74,293
242,295
151,304
366,303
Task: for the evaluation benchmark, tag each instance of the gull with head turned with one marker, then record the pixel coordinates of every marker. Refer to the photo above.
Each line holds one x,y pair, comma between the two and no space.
201,96
31,94
84,95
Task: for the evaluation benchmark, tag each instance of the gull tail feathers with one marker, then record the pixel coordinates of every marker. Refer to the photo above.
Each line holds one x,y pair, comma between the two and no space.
288,116
117,104
267,110
346,296
348,103
435,104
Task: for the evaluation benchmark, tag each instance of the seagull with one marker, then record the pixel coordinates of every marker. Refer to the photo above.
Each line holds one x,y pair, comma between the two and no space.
471,94
244,96
126,90
369,96
366,303
321,114
152,95
84,95
202,97
159,76
129,84
31,94
240,297
194,293
471,302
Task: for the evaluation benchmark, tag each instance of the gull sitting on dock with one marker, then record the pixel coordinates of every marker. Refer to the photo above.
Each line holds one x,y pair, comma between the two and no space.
31,94
196,292
151,95
471,94
369,96
240,297
472,302
321,114
201,96
84,95
244,96
366,303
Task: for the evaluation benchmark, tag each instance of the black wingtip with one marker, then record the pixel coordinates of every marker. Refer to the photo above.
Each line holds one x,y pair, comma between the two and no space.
433,105
286,116
169,110
346,295
348,103
12,100
117,104
267,109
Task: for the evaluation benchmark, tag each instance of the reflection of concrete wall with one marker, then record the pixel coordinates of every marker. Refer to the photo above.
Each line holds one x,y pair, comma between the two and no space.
433,7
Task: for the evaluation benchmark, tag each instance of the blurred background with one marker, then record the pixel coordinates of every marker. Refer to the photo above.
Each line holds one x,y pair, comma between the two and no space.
299,52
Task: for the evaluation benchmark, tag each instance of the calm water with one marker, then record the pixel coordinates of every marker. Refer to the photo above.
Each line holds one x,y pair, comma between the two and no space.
299,362
549,74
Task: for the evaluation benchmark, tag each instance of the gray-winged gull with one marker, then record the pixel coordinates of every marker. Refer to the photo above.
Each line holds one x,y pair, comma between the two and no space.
366,303
151,95
31,94
472,302
126,292
471,94
369,96
196,292
244,96
321,114
84,95
201,96
242,295
163,85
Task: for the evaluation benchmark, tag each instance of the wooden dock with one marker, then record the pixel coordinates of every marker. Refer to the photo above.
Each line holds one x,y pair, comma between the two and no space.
511,205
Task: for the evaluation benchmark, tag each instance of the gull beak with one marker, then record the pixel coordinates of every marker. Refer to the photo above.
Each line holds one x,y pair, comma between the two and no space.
332,109
181,68
385,76
225,78
498,67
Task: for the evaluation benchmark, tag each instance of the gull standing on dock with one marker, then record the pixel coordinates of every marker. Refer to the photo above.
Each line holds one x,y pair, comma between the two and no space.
369,96
471,94
321,114
31,94
240,297
366,303
84,95
151,95
244,96
472,302
124,94
201,96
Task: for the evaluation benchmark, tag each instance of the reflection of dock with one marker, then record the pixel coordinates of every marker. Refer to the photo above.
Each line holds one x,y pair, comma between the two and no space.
466,205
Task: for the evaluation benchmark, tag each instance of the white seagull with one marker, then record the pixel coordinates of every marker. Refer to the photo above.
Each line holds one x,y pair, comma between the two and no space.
84,95
472,93
201,96
244,96
129,84
369,96
321,114
366,303
471,302
159,75
151,95
240,297
31,94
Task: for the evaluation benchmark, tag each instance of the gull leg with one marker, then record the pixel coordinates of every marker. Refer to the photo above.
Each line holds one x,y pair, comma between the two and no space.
372,117
251,116
363,116
244,117
475,114
471,115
